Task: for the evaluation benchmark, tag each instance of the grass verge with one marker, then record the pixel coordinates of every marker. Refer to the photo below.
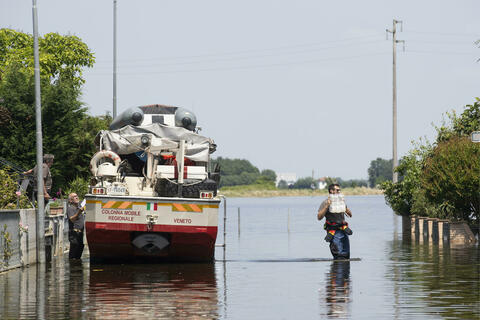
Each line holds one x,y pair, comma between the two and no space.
260,191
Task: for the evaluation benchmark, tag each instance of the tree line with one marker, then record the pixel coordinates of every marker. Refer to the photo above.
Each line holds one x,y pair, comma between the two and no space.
240,172
235,172
311,183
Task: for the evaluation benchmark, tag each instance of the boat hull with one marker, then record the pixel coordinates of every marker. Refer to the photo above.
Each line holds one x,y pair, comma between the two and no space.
167,229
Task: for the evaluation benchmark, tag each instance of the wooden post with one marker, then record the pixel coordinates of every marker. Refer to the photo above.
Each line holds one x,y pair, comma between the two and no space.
425,229
288,221
420,229
443,231
435,234
417,229
238,220
406,227
430,234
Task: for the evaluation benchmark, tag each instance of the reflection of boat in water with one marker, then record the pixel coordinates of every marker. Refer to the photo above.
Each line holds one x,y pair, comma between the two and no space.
153,194
165,291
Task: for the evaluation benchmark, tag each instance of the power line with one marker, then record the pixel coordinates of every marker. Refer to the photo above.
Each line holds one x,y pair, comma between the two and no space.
223,59
227,53
313,44
442,52
441,42
230,56
445,34
249,66
257,66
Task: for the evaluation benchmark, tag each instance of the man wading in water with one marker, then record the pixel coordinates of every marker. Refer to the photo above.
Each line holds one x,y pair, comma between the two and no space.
76,221
334,210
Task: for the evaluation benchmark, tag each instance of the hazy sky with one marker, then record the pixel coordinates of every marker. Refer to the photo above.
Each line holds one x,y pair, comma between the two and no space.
292,86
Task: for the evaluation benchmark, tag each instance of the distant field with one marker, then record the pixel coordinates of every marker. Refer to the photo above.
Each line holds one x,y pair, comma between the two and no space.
253,191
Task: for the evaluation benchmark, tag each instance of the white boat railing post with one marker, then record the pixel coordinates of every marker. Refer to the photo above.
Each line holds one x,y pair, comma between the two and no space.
224,227
224,245
180,166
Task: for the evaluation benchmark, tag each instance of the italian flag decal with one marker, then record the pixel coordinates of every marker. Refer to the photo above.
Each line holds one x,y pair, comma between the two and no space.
180,207
152,206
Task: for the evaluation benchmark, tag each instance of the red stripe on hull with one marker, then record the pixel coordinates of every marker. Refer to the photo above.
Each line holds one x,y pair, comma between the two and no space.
114,241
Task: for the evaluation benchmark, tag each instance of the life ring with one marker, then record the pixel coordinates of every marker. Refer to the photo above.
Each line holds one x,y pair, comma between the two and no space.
100,155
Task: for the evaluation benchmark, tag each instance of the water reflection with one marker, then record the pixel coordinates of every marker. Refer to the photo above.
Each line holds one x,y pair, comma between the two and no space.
435,280
337,294
78,290
77,284
153,291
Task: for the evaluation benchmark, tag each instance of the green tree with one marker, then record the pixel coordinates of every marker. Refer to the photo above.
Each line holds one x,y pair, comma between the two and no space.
400,195
84,134
462,125
353,183
380,170
282,184
68,131
441,180
236,172
60,56
305,183
451,178
268,175
78,185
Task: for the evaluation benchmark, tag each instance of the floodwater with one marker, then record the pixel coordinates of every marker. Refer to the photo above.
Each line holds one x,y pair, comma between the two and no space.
277,267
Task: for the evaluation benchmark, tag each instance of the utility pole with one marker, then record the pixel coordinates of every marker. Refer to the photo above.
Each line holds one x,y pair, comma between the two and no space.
395,41
38,120
313,179
114,58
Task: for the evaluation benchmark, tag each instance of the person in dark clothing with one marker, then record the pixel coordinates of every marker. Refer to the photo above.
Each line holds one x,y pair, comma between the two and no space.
47,178
337,228
76,220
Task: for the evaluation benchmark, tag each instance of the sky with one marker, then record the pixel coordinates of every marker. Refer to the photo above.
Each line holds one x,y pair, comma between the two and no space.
296,86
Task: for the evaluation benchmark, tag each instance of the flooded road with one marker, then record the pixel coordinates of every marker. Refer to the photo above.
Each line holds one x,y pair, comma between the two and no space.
277,267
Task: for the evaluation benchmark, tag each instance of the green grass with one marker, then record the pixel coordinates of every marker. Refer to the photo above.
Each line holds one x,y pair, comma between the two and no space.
263,191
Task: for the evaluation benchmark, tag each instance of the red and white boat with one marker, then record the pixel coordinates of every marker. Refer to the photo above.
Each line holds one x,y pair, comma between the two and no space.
138,206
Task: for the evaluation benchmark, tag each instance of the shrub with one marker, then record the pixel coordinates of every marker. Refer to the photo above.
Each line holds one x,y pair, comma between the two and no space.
8,189
451,178
400,196
79,185
442,180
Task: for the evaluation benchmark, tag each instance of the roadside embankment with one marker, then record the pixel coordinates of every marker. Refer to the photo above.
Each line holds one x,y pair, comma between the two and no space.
253,191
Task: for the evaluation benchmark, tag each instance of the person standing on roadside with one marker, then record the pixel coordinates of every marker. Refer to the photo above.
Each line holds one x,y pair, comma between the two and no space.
336,226
76,220
47,178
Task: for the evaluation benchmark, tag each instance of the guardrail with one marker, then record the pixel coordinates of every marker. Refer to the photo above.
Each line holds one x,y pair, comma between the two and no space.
437,231
18,234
